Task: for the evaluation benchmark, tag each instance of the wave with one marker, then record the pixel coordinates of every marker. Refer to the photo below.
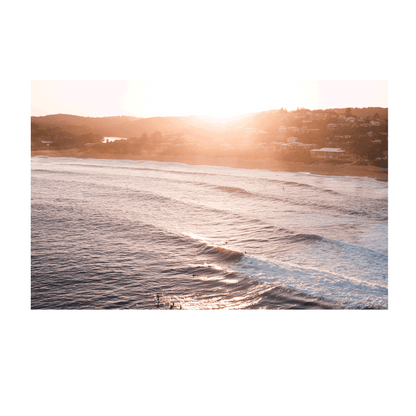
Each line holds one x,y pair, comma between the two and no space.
64,172
257,228
332,286
298,184
308,238
260,228
146,168
235,190
238,191
356,291
222,254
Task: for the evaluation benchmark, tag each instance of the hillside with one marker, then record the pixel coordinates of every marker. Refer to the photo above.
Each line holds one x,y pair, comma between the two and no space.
127,126
121,126
364,112
276,134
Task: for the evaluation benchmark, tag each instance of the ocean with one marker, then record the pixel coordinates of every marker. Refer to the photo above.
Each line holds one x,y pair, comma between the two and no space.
124,234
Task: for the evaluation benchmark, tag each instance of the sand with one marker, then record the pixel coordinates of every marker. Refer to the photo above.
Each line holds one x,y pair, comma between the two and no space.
319,168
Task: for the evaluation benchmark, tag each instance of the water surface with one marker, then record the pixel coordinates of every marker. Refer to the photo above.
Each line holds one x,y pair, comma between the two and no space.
116,233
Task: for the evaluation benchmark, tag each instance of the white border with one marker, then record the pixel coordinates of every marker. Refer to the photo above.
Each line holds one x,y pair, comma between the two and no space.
404,195
13,202
24,316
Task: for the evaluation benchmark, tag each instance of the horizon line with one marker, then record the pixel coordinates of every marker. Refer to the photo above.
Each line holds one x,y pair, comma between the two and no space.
210,116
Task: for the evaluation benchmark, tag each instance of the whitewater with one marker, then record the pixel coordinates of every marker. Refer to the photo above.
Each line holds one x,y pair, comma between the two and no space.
115,234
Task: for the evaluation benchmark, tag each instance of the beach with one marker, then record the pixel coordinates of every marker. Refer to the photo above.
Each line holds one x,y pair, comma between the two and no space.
332,168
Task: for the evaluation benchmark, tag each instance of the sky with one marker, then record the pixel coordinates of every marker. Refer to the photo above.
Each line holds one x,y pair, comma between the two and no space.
213,97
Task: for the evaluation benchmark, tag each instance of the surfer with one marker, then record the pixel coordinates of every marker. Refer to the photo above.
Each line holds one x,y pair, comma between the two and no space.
171,306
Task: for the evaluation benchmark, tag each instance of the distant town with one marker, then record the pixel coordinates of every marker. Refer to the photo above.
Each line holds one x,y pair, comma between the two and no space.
348,135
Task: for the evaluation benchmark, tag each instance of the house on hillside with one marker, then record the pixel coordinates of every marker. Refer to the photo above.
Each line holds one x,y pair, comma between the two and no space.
299,145
332,126
328,153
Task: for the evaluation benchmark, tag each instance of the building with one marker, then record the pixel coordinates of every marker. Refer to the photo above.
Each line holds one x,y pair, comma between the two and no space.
297,144
328,153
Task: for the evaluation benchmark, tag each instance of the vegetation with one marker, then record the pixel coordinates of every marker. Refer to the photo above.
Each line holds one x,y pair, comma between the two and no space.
265,135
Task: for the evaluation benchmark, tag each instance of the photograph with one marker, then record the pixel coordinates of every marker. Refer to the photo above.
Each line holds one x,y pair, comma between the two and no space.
203,213
187,196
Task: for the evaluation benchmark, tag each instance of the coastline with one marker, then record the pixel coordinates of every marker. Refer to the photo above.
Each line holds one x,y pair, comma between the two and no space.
317,168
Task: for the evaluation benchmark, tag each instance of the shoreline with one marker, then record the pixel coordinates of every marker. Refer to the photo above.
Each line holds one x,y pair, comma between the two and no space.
316,168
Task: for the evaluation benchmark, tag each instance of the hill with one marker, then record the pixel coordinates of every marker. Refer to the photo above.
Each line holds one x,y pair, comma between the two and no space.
127,126
364,112
121,126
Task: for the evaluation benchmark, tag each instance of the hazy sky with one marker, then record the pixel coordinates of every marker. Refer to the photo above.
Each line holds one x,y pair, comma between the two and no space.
212,97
